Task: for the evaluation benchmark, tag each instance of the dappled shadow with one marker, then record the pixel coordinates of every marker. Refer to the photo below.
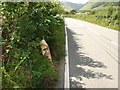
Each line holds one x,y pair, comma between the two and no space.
80,59
87,61
91,74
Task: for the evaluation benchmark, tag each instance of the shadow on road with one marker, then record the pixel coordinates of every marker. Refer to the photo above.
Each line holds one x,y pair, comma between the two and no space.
78,60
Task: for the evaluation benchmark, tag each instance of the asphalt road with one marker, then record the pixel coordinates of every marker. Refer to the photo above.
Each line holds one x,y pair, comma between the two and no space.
93,55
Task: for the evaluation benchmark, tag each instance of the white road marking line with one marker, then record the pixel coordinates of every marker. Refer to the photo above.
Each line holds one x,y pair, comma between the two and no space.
115,43
94,32
105,38
66,74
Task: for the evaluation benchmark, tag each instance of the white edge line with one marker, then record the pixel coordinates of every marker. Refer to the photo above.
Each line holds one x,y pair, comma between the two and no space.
66,74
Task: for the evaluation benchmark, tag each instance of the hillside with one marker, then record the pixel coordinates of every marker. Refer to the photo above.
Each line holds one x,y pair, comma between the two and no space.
97,6
92,5
101,13
70,6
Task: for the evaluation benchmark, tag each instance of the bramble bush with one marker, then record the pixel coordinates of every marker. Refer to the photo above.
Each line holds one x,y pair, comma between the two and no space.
24,25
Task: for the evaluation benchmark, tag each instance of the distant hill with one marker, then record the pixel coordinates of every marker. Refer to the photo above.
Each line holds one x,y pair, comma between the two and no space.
97,5
93,5
70,6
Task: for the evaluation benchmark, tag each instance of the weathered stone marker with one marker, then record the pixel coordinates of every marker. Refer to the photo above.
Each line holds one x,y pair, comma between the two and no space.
45,49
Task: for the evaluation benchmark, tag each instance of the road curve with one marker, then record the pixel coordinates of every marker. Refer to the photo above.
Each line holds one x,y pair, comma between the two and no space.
93,55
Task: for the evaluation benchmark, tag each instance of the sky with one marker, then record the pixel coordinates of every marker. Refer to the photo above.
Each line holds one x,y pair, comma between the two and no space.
76,1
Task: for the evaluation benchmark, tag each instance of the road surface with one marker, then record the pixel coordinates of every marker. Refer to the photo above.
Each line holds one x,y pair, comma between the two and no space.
93,55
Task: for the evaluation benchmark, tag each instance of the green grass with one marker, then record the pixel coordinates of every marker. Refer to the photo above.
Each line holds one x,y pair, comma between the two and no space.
102,18
101,13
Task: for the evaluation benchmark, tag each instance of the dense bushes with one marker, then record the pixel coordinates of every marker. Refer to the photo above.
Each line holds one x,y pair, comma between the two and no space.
24,25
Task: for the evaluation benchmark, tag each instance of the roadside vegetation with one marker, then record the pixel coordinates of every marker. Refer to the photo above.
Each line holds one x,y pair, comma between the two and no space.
24,25
106,15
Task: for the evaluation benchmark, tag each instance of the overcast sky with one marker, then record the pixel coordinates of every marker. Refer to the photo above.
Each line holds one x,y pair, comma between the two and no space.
76,1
